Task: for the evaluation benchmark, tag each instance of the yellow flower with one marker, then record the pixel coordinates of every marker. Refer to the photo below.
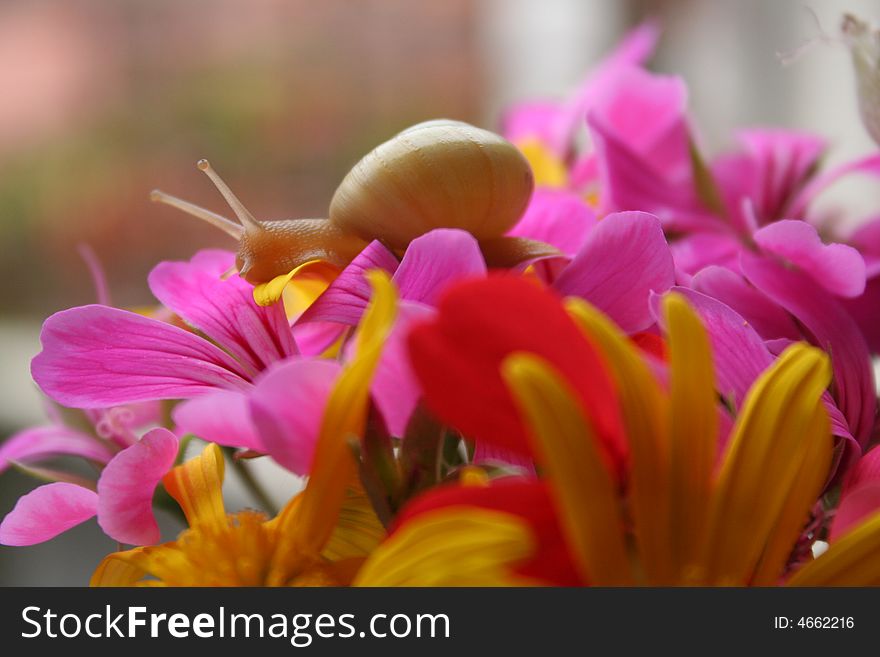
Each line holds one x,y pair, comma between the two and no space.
323,534
549,170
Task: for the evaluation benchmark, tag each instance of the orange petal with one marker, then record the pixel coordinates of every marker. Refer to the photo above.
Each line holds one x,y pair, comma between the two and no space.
197,485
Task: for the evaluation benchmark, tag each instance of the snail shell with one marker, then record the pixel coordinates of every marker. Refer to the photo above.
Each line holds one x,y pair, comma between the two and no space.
437,174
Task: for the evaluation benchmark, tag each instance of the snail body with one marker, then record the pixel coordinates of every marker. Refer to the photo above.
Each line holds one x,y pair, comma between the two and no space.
278,247
437,174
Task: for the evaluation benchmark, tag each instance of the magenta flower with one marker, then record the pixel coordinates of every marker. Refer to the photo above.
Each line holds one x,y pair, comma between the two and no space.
860,494
865,309
96,356
554,124
115,431
122,501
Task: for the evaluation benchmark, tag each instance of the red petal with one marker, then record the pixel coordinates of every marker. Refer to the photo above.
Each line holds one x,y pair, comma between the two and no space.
457,359
651,343
528,499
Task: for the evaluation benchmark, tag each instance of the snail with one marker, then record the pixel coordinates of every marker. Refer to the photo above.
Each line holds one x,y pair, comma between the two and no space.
437,174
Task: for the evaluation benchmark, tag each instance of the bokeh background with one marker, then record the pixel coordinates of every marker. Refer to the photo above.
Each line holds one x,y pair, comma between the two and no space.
102,101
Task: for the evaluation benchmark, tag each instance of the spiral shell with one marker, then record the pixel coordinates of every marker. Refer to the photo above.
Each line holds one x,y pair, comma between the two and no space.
437,174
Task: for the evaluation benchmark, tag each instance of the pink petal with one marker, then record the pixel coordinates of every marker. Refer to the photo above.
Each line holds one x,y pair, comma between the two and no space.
99,277
735,176
865,311
314,338
224,310
838,268
859,505
869,165
46,512
487,454
729,287
629,182
97,356
557,217
533,121
287,406
782,161
221,417
699,250
866,471
624,259
866,238
38,443
860,496
127,485
347,296
435,260
648,111
831,328
395,387
738,352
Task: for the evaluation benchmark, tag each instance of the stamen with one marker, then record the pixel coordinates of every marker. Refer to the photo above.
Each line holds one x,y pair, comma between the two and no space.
244,216
227,226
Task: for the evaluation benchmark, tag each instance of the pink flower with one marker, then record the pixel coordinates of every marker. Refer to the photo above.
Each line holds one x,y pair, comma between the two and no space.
123,501
96,356
71,498
555,124
860,495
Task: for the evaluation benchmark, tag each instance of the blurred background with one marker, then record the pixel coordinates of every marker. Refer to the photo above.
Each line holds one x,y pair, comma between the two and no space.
103,101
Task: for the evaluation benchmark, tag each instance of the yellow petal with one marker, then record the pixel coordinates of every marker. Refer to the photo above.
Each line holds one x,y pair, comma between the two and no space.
119,569
265,294
770,441
472,475
800,500
549,170
645,411
455,546
358,530
693,436
583,488
852,560
197,485
302,292
306,531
